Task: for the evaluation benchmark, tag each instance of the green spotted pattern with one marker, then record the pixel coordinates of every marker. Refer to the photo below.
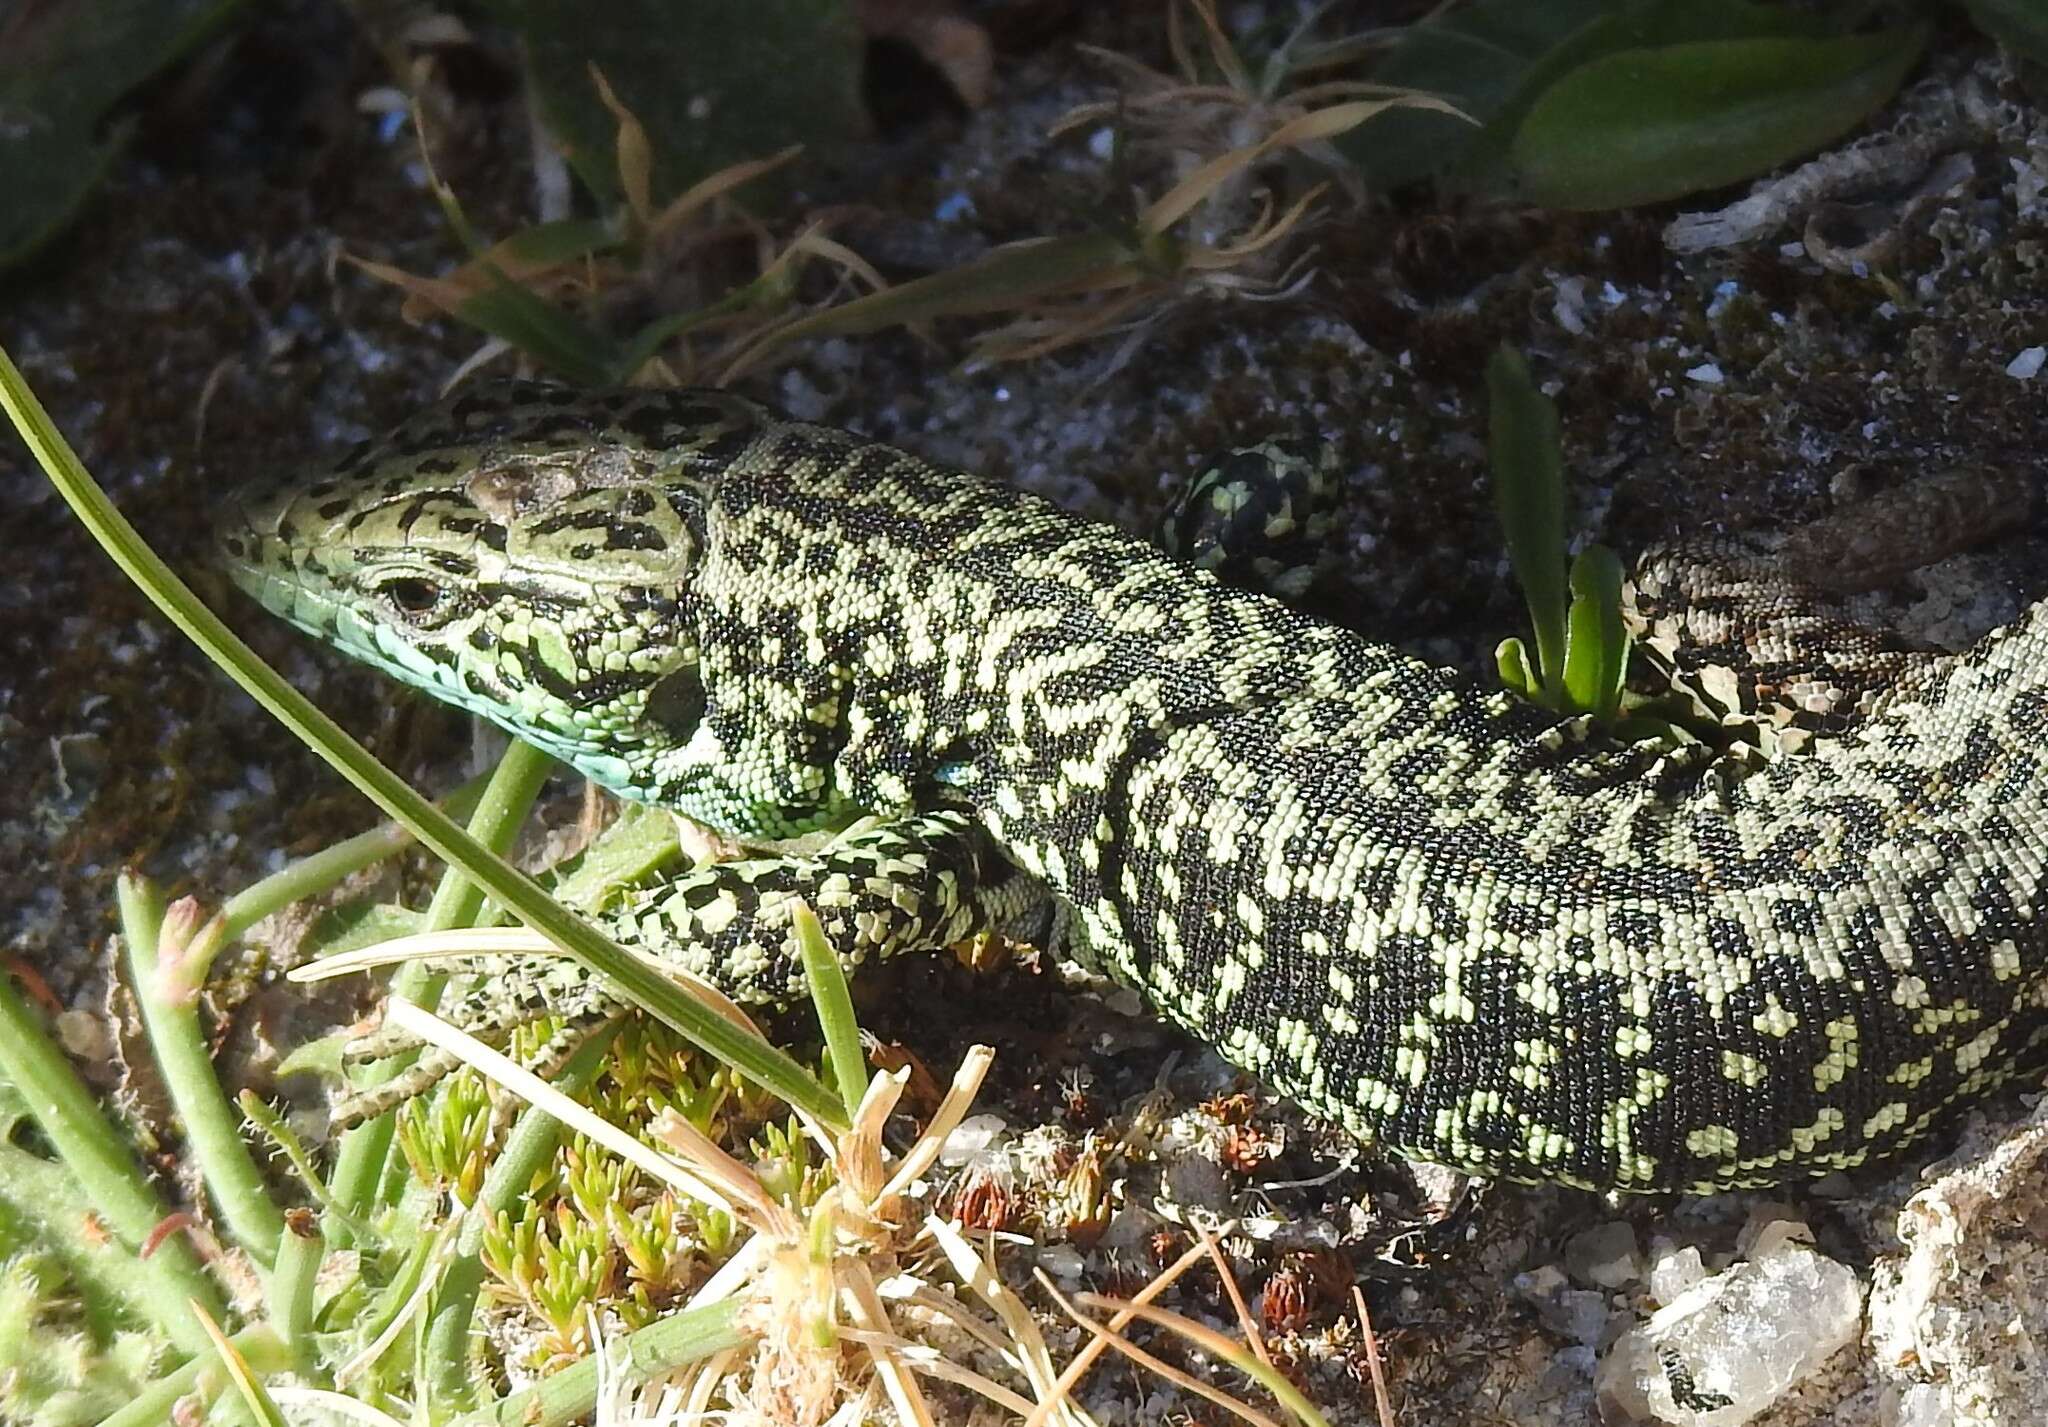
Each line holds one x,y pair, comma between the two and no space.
1467,931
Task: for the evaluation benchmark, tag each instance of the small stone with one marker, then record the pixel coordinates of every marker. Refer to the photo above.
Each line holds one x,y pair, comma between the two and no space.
1062,1261
1605,1256
1437,1185
1569,1370
1769,1225
85,1035
2027,365
969,1138
1195,1179
1130,1232
1575,1313
801,399
1924,1404
1732,1345
1570,307
1706,374
1674,1271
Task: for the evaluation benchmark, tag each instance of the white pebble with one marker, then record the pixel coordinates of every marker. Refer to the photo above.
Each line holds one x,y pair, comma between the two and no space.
1731,1346
969,1138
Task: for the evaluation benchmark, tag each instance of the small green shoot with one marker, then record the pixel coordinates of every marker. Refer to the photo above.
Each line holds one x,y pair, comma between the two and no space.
827,980
1582,646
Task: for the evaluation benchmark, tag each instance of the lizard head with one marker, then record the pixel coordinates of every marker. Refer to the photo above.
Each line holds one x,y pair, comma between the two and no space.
522,550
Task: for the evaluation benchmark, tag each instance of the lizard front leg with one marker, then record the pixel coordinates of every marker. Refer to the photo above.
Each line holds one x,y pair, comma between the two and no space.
916,883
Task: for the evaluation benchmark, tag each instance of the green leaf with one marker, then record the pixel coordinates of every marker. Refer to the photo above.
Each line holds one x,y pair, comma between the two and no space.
1632,24
1496,59
998,281
2020,25
640,840
1476,57
63,67
556,339
320,1057
355,925
561,241
834,1005
1528,493
712,84
1596,640
1511,661
1643,125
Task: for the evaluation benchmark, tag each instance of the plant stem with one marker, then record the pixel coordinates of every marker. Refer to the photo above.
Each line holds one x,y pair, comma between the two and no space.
310,876
259,1346
292,1280
170,1016
98,1159
508,795
364,1152
39,1205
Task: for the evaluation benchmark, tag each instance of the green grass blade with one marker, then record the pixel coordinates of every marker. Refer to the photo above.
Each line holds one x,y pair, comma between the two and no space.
100,1161
1596,644
827,980
169,1002
1511,663
1528,492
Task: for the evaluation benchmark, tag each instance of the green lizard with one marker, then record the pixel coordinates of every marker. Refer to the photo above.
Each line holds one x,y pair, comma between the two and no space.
1468,931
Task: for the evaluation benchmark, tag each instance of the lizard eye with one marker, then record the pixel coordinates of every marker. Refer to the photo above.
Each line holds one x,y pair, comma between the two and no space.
412,596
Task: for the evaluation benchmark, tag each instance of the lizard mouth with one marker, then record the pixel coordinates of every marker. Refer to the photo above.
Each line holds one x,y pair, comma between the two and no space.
250,539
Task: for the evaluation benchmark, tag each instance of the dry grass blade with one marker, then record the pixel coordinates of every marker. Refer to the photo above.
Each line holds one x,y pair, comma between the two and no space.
736,1184
952,1110
1086,1358
858,1152
814,243
1221,1348
1244,1316
318,1403
1026,1347
520,260
422,294
930,1362
1372,1359
1313,127
912,1292
424,946
865,1307
635,153
704,1382
1221,50
1029,338
1180,95
1185,1381
465,942
713,186
1259,236
255,1396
